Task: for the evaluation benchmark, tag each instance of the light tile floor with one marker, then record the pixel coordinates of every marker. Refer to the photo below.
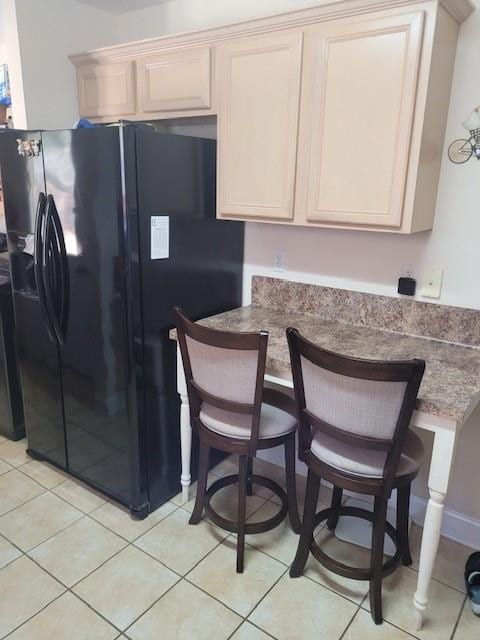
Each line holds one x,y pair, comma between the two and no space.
73,565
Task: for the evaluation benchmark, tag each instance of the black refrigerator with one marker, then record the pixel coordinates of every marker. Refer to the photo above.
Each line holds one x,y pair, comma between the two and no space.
108,229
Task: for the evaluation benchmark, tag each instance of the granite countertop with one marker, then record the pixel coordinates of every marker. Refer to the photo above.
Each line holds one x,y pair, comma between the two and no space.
450,387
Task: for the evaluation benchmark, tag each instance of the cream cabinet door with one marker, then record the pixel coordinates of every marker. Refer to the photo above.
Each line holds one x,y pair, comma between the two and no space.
360,83
258,86
106,89
175,81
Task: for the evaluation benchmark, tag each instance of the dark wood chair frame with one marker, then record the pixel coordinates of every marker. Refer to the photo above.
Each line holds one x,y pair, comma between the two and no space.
245,448
410,372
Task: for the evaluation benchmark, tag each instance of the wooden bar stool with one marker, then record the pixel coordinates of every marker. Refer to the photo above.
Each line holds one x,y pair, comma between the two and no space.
232,411
354,418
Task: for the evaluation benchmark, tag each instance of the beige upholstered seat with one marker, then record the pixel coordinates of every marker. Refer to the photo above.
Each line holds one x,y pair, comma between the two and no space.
230,374
361,407
364,462
273,422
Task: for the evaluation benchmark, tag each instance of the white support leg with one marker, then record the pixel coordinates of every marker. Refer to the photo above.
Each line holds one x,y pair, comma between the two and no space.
185,429
440,467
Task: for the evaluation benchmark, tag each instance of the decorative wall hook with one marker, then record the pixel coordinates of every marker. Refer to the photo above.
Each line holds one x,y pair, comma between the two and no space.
463,149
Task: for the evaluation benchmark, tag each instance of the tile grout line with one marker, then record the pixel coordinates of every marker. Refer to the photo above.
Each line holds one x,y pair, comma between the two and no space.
128,543
360,605
442,582
182,506
69,589
189,581
337,593
395,626
182,577
129,626
26,501
65,587
32,616
361,608
267,633
349,624
132,543
48,466
90,515
457,622
265,595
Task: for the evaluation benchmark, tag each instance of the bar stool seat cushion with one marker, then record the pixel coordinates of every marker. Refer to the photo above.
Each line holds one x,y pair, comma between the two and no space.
274,422
365,462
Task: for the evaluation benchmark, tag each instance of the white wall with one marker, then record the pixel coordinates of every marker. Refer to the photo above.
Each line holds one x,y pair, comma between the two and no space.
2,36
47,32
176,16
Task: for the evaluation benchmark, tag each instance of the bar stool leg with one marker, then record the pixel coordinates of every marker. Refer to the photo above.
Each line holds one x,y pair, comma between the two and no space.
336,503
291,483
242,495
303,549
403,512
376,562
203,465
249,476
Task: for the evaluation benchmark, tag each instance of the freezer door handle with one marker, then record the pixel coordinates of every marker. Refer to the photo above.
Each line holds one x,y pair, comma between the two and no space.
64,276
39,241
55,271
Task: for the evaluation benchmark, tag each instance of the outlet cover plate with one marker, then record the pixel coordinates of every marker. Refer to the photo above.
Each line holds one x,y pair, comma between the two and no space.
432,282
279,256
408,271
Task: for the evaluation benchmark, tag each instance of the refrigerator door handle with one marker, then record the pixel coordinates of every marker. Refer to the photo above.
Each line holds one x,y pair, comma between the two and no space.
63,272
39,242
54,266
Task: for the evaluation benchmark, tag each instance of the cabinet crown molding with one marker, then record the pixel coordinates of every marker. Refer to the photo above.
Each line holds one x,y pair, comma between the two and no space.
460,10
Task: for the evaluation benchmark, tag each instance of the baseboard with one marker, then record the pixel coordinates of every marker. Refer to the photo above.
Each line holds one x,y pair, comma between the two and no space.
455,526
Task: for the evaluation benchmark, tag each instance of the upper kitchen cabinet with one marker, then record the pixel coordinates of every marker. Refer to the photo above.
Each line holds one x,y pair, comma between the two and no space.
375,96
175,80
258,82
332,116
360,84
106,89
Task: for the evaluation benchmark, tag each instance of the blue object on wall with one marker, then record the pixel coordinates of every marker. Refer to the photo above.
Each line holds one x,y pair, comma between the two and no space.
5,98
83,123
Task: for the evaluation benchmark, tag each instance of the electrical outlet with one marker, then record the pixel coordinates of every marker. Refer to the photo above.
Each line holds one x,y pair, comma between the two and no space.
408,271
432,282
279,256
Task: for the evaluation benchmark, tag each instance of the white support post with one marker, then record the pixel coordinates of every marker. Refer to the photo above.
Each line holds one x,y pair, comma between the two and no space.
185,428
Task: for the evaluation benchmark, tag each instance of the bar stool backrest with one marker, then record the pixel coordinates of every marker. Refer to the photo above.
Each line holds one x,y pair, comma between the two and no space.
364,403
222,368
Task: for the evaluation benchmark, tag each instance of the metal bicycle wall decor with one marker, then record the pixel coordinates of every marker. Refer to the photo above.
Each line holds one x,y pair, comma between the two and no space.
463,149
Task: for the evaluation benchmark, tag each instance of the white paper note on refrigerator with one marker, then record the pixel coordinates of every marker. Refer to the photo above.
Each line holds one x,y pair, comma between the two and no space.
159,237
